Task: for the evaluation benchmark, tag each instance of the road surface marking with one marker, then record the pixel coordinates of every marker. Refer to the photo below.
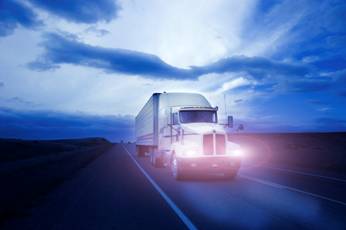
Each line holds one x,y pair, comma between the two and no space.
175,208
280,186
262,181
306,174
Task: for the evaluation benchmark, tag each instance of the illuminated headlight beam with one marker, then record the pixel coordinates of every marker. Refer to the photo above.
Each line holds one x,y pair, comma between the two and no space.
238,153
190,153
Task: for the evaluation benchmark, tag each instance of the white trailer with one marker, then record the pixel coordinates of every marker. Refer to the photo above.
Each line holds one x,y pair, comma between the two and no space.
181,130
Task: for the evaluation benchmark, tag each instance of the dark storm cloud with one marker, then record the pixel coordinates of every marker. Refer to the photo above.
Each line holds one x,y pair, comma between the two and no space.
256,66
61,49
13,14
52,125
80,11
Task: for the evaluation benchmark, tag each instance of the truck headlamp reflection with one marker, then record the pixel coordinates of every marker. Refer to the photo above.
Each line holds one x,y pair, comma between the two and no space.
237,153
190,152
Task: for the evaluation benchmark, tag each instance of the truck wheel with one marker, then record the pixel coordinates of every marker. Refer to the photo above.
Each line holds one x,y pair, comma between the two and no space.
176,171
139,151
157,162
230,175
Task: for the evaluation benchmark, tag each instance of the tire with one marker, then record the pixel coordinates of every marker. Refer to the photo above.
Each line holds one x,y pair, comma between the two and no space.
140,151
157,162
230,175
175,170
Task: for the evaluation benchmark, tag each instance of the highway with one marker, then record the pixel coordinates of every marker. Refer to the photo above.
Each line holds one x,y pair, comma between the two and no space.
121,191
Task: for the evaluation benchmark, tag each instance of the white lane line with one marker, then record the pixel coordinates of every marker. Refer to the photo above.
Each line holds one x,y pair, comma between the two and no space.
262,181
280,186
175,208
306,174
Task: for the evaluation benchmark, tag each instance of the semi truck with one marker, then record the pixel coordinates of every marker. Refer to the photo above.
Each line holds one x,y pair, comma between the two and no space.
181,131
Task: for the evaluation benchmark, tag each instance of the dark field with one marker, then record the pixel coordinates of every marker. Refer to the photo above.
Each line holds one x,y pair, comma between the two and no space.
31,169
314,151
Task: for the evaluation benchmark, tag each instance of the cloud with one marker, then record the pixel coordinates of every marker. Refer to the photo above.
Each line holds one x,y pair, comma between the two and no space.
323,109
319,33
340,76
269,125
319,105
80,11
53,125
233,84
60,49
13,14
309,85
259,67
315,102
322,124
96,31
19,100
237,101
331,124
330,63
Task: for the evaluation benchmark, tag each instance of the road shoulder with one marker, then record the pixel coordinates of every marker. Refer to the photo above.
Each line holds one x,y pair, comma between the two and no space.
111,193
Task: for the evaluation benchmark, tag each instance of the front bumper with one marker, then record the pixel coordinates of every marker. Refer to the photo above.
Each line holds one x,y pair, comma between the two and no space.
210,164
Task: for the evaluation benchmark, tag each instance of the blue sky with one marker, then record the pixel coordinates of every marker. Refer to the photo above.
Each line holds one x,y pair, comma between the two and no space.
85,68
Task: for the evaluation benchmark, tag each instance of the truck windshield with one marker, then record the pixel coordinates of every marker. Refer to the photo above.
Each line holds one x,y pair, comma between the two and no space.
194,116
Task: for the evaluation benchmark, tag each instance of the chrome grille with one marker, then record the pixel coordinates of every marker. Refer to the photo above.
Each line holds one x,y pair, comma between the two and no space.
220,144
208,144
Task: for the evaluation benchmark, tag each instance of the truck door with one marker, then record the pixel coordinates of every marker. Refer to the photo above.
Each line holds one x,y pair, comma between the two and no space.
175,131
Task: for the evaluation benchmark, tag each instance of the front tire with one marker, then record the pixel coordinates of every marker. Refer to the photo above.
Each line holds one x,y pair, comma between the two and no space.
176,169
230,175
157,162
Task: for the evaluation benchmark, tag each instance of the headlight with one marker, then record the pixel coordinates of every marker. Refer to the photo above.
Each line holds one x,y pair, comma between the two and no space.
190,152
238,153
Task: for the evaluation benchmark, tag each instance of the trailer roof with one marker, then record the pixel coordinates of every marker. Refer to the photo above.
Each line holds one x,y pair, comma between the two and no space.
183,100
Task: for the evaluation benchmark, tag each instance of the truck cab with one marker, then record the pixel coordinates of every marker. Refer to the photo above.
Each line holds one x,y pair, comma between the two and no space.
190,139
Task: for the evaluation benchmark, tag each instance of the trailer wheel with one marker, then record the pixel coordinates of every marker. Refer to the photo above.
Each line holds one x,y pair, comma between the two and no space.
175,168
140,151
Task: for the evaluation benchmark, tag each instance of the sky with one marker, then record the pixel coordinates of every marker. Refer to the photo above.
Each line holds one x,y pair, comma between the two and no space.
85,68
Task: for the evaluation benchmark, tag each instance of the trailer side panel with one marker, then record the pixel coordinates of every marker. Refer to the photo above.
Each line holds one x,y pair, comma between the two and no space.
146,123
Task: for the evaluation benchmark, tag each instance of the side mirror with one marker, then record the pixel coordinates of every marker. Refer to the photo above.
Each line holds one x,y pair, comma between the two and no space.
230,121
240,127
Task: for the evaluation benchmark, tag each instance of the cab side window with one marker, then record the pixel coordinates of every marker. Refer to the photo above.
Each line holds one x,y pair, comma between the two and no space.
175,119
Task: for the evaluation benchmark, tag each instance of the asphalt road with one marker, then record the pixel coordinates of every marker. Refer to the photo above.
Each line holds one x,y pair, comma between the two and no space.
122,191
